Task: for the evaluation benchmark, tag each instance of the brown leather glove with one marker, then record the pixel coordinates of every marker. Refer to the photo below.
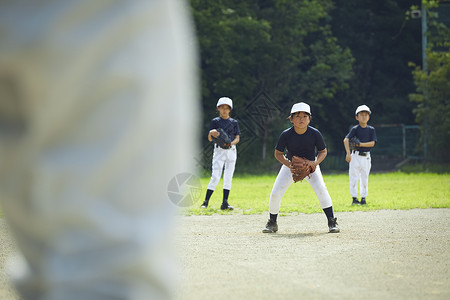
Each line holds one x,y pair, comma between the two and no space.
300,168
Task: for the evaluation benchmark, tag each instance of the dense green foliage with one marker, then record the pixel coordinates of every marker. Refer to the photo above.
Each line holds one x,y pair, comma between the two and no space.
433,91
382,42
335,55
433,97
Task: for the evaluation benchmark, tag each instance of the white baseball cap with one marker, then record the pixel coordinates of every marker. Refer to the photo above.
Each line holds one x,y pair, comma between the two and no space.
225,100
362,108
302,106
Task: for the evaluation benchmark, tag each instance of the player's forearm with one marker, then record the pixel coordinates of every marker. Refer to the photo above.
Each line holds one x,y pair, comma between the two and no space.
210,134
321,156
282,159
236,140
367,144
346,146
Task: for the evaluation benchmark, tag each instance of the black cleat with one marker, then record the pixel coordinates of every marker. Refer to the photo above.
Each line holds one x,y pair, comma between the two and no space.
204,205
225,206
363,201
355,201
271,227
332,224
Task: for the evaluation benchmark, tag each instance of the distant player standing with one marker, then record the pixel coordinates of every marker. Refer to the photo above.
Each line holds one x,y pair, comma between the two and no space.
359,159
223,158
300,140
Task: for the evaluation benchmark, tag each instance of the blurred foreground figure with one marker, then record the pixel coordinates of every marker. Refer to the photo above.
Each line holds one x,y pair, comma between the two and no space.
90,91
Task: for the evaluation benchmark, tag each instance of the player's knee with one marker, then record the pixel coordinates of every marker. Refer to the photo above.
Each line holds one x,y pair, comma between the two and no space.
214,180
276,194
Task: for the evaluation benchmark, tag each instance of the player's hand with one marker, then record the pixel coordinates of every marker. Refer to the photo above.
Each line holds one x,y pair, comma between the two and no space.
214,133
312,164
348,158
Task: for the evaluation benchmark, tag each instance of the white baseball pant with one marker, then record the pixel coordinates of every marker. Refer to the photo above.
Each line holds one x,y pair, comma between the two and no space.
223,158
284,180
83,183
359,169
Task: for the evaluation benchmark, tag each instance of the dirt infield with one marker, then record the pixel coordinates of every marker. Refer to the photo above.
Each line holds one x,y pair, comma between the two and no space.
378,255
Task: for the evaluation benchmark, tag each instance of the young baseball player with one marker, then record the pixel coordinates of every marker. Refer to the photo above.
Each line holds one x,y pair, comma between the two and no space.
359,159
224,157
300,140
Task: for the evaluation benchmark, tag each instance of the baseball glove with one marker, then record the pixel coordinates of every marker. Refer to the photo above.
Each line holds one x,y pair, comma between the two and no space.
354,143
223,140
300,168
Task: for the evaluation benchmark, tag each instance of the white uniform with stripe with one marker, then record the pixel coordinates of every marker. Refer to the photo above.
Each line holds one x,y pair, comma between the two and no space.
224,159
358,171
284,180
86,88
361,162
302,145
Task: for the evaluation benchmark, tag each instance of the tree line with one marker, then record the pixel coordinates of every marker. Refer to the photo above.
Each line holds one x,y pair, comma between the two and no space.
335,55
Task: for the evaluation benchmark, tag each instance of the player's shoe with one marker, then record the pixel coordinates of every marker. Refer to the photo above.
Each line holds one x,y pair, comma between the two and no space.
204,205
355,201
363,201
225,206
271,227
332,224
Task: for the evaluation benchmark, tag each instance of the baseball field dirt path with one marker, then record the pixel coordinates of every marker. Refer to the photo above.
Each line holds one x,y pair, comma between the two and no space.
378,255
387,254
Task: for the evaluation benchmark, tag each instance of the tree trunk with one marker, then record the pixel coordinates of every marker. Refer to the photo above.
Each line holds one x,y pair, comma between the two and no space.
264,144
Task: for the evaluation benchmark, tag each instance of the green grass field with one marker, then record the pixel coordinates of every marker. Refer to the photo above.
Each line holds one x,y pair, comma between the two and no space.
250,194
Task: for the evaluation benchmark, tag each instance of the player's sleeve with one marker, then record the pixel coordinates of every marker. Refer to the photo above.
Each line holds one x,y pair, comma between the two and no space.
237,130
213,124
320,142
374,135
351,133
281,144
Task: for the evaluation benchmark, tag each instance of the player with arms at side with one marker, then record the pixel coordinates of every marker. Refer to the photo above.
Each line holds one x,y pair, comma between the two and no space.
225,153
301,140
358,143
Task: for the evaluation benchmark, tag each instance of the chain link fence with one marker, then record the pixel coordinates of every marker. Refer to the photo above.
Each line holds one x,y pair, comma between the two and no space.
396,144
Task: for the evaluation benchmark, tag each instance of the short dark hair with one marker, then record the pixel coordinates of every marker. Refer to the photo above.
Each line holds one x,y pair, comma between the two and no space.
291,115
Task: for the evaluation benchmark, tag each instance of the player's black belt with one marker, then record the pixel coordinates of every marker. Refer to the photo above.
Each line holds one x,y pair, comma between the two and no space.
361,153
217,146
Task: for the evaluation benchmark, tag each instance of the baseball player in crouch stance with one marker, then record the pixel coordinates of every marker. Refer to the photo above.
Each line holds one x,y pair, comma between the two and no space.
225,133
361,139
301,140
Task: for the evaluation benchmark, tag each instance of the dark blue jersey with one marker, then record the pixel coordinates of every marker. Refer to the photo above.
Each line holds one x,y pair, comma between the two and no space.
303,145
230,126
364,135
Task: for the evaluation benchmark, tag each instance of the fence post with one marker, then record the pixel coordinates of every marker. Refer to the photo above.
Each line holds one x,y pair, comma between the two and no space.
425,140
404,139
